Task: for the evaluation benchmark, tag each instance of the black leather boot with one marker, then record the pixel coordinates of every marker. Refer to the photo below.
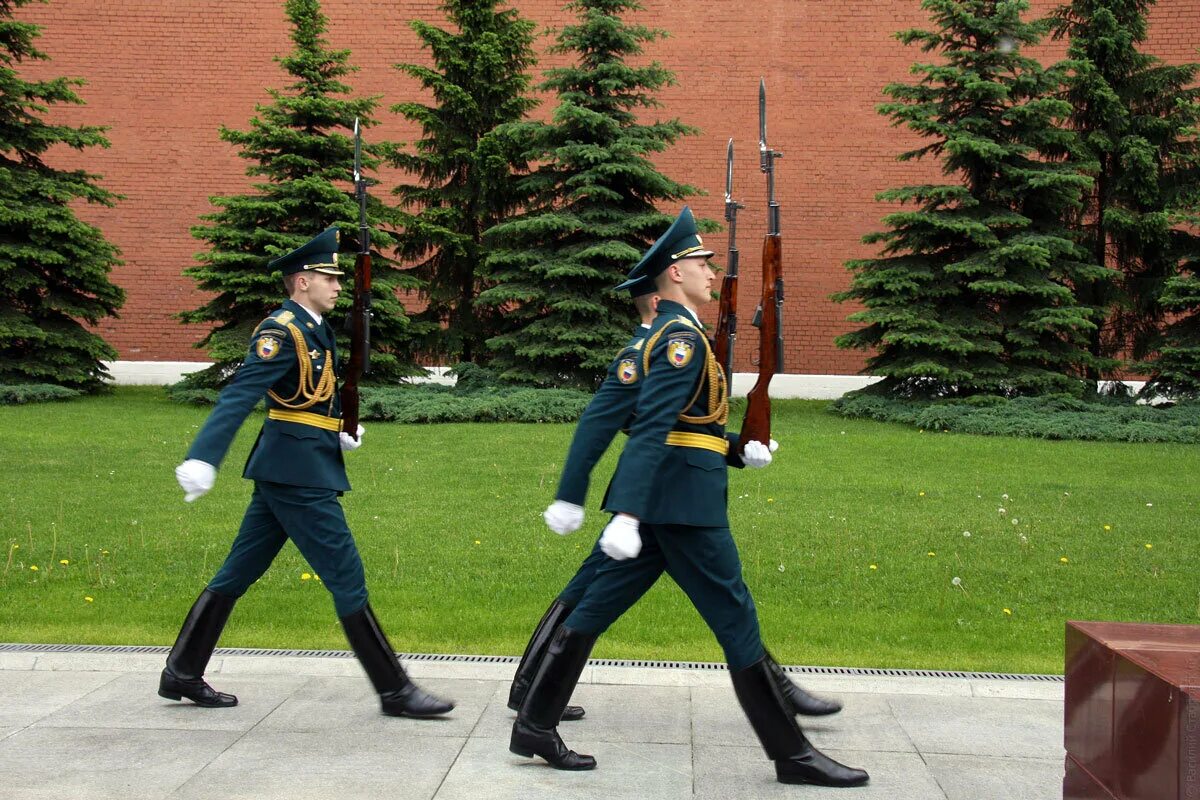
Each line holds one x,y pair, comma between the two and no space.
398,695
534,732
796,760
534,652
800,701
184,674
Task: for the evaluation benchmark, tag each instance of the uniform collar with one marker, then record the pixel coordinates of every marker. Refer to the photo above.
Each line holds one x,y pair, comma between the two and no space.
679,309
316,317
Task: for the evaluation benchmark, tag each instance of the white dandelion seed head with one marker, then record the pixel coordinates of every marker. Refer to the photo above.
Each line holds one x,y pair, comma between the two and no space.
1002,510
967,534
1003,497
957,581
1015,520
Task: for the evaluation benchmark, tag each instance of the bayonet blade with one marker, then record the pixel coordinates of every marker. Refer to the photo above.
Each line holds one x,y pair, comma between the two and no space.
729,172
357,153
762,114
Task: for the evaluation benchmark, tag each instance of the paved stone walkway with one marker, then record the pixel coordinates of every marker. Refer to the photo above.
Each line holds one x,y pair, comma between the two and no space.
87,726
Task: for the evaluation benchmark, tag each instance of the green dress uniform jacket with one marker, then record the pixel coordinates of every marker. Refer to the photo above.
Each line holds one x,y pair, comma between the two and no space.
293,361
610,410
673,468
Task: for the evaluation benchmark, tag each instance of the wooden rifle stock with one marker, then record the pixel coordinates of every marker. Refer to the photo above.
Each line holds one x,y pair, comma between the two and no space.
757,424
360,343
726,318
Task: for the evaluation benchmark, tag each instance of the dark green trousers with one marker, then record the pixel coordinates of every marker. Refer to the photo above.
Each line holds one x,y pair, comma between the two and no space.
705,564
313,519
574,591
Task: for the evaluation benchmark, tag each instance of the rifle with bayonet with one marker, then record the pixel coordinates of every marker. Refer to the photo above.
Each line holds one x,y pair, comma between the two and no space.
727,313
359,363
768,316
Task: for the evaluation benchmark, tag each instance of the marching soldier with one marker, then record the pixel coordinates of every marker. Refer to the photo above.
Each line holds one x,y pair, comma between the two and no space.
669,500
610,410
298,472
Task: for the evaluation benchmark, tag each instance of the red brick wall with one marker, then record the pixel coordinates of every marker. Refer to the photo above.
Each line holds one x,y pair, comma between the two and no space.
164,76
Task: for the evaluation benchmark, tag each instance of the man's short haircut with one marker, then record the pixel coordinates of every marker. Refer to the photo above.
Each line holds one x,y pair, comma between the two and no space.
644,303
289,283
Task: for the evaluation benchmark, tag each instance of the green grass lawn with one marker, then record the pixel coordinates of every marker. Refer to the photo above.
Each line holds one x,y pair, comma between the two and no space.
850,541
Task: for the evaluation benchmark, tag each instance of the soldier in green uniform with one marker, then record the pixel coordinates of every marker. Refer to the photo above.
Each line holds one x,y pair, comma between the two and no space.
610,410
298,472
669,500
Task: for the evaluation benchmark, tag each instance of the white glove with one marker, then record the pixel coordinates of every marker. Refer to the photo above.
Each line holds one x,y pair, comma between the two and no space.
620,539
348,442
757,455
563,517
195,477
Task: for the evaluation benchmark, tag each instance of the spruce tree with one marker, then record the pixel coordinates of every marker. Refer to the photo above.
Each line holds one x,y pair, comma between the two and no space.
301,146
592,208
54,268
1174,371
1136,117
466,181
972,292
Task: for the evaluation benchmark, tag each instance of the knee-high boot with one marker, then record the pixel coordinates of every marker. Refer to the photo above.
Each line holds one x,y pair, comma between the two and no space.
534,732
796,760
398,695
800,701
534,652
184,673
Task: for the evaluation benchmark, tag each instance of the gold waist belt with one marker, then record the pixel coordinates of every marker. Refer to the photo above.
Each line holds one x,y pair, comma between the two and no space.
306,418
718,444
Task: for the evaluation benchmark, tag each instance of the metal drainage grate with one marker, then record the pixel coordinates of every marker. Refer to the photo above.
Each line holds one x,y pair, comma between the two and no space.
596,662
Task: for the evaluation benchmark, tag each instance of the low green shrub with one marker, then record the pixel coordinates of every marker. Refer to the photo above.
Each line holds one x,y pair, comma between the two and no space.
17,394
477,396
1103,418
432,403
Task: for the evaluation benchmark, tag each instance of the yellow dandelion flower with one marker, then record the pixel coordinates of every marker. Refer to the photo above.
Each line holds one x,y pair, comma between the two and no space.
1063,560
64,562
304,576
920,494
874,567
478,542
33,567
931,554
1108,527
89,600
16,546
316,577
770,499
1008,611
1149,546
